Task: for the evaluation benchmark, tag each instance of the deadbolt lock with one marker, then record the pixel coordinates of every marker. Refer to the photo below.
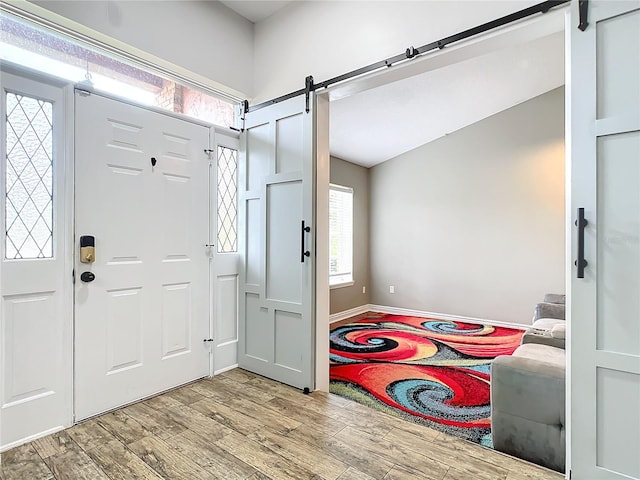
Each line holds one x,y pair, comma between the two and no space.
87,249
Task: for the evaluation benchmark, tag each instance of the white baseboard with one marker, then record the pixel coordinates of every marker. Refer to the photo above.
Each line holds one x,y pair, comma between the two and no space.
31,438
225,369
336,317
445,316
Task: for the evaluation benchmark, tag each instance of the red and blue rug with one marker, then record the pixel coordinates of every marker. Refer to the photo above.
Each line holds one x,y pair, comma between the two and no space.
433,372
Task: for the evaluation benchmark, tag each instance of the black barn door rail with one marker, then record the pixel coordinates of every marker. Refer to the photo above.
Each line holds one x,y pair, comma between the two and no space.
412,52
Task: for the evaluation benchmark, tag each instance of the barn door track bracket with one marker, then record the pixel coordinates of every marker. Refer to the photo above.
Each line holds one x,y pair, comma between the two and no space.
583,9
308,88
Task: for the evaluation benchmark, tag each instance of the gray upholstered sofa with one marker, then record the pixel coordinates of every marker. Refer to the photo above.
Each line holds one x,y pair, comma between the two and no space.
528,397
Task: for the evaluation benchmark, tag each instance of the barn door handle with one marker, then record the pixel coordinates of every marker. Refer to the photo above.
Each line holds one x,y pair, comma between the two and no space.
303,252
581,223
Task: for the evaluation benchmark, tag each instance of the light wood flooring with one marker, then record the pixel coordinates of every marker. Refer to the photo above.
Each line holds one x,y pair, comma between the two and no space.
242,426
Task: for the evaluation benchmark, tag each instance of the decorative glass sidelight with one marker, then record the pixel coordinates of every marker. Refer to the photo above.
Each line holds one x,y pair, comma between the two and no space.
227,200
29,178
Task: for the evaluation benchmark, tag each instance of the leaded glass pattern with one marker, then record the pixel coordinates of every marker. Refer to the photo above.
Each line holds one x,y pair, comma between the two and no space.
29,178
227,200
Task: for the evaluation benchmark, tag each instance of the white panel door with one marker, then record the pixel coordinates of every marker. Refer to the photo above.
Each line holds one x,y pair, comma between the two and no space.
35,268
604,148
141,192
277,165
226,259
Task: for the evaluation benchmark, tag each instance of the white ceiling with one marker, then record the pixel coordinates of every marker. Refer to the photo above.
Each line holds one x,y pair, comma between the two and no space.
255,10
381,123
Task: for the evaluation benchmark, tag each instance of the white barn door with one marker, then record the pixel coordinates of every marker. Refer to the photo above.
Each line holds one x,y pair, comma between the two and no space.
142,323
604,148
277,291
35,262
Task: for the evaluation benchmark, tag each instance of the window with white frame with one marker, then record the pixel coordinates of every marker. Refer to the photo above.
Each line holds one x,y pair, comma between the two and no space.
340,235
30,45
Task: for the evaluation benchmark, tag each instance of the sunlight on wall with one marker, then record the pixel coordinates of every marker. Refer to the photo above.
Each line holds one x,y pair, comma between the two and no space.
546,174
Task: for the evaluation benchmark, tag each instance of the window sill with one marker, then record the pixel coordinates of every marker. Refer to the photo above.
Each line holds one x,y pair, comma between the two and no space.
341,285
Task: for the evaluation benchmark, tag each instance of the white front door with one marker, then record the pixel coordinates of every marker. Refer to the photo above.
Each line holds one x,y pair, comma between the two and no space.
35,262
224,251
277,291
142,323
604,154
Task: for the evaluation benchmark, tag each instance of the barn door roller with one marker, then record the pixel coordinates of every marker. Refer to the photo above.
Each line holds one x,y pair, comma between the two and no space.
308,88
583,9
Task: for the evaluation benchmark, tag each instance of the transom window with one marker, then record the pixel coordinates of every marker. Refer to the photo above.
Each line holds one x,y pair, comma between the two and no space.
340,235
44,50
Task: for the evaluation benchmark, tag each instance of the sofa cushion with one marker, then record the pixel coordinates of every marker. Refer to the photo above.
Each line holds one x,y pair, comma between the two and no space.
549,310
541,353
554,298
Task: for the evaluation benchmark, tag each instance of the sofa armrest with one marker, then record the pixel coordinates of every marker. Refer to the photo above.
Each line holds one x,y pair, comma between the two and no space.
528,388
528,410
549,310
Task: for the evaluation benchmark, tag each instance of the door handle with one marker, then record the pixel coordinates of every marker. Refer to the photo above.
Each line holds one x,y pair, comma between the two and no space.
87,277
581,223
303,252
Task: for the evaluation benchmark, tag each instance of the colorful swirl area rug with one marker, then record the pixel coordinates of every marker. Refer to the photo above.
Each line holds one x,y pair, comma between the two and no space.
432,372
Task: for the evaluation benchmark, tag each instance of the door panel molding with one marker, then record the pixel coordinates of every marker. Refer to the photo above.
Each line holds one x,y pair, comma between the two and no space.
276,288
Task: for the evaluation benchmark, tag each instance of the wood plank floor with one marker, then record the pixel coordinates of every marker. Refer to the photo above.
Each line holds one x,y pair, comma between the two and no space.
242,426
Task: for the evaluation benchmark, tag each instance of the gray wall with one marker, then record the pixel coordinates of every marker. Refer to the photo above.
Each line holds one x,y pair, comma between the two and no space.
472,224
356,177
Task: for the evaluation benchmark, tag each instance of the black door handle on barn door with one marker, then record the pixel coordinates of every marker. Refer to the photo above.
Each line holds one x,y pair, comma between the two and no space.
303,252
581,223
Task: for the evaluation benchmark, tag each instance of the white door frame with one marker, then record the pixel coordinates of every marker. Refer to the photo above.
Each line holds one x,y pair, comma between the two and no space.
322,293
65,224
523,31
